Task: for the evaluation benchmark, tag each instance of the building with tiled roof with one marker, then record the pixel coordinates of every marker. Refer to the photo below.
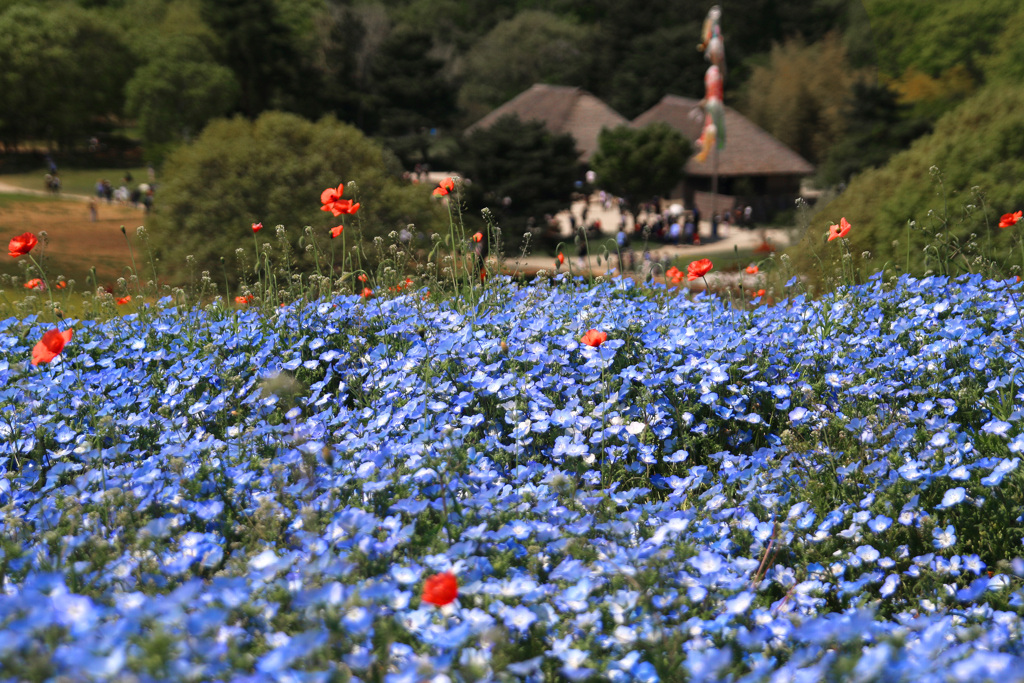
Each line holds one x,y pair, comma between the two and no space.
753,168
562,109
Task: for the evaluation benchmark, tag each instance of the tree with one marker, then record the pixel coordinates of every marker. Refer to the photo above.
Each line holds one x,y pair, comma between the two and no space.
640,163
411,93
522,161
877,126
272,170
799,95
61,71
532,47
258,48
179,90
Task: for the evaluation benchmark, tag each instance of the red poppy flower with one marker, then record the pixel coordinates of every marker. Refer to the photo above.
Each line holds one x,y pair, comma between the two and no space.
698,269
1009,219
478,237
336,230
256,227
362,277
331,195
594,337
758,293
50,346
22,244
366,293
124,300
840,230
441,589
341,206
561,257
444,187
60,284
751,270
34,283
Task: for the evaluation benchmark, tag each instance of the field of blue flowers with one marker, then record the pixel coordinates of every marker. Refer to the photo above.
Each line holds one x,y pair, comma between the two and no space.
814,490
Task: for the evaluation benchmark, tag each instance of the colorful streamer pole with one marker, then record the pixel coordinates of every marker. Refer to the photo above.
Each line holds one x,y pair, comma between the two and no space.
712,136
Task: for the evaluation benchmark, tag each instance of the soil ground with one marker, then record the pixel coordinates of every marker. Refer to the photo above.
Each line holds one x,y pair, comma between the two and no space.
73,243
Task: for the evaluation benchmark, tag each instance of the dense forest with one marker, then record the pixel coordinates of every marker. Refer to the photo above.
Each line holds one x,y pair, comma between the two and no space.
412,73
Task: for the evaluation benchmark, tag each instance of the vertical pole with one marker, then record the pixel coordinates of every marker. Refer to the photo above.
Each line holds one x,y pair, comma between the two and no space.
714,183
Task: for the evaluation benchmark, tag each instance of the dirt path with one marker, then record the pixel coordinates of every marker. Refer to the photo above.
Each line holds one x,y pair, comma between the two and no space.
73,243
729,238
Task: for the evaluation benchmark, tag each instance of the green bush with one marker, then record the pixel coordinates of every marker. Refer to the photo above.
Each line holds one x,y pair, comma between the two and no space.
954,183
272,170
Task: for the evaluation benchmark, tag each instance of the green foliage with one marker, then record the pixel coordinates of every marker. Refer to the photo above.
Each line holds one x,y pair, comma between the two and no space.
273,170
410,93
257,48
955,182
520,160
799,94
640,163
876,127
1005,64
533,47
62,68
937,35
179,90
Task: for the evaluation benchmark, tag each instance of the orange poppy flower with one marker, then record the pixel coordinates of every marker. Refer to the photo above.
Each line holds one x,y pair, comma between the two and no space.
331,195
22,244
366,293
840,230
362,277
758,293
60,284
35,283
50,346
336,230
561,257
444,187
751,270
1009,219
441,589
478,237
256,227
124,300
594,337
698,269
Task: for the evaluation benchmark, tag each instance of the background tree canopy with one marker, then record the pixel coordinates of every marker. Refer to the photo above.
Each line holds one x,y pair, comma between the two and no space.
272,170
520,161
639,164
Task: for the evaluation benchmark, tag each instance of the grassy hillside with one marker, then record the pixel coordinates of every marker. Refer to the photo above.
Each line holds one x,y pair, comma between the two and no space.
955,182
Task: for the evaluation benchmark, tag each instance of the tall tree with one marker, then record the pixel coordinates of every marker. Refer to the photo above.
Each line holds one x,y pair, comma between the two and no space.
799,95
412,95
523,162
61,71
179,90
532,47
638,164
258,48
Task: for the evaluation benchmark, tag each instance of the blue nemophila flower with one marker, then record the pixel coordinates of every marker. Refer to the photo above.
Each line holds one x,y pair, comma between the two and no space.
943,538
953,496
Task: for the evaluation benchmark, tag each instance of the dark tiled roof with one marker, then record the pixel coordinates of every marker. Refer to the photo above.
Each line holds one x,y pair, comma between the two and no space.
562,109
749,149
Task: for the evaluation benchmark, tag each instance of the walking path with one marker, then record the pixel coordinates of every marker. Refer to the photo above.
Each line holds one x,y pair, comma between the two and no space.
729,238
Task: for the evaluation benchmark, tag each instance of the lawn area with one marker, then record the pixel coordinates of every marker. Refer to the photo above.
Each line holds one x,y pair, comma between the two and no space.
74,243
77,181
